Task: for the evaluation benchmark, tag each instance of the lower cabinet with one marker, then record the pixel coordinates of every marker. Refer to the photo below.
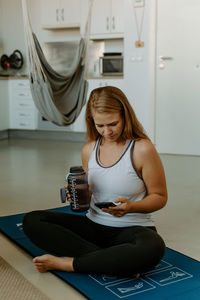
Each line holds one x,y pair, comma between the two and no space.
4,112
22,111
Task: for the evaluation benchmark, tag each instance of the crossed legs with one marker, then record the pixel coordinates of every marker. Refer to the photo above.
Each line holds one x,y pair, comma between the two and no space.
85,247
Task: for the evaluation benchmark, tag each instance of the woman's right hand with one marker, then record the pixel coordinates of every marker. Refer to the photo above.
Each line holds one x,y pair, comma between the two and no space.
68,196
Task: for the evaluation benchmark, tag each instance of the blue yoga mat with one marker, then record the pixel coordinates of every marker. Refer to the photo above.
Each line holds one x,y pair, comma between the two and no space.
176,277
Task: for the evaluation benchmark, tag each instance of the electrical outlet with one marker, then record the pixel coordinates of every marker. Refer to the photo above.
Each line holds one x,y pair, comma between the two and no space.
138,3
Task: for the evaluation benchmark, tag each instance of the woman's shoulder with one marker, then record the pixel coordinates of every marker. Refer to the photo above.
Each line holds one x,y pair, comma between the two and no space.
88,148
144,147
144,154
86,153
144,144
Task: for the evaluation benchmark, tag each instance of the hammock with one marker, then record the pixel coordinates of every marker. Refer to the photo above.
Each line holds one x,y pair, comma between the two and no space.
59,98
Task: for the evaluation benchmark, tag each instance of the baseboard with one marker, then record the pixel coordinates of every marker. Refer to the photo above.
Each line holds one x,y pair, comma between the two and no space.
3,134
46,135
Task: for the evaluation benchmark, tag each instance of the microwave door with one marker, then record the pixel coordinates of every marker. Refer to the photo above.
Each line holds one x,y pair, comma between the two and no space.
112,66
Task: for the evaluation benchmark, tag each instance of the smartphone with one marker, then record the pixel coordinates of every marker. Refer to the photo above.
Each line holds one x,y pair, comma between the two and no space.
105,204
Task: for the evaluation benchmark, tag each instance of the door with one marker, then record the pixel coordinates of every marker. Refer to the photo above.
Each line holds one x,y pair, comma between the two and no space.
178,77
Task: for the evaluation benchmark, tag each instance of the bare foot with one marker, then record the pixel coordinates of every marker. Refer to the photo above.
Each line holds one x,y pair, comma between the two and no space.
49,262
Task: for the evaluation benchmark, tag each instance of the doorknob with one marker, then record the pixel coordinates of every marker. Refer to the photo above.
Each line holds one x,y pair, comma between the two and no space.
165,58
162,61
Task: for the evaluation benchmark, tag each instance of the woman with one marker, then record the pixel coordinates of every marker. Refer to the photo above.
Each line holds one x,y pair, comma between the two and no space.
123,167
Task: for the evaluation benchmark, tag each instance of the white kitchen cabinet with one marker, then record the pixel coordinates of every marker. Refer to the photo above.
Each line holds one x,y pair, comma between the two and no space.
95,83
60,14
107,19
79,124
4,112
22,111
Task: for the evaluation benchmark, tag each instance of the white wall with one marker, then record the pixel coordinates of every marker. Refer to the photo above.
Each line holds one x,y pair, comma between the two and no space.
11,38
12,28
139,63
4,117
1,33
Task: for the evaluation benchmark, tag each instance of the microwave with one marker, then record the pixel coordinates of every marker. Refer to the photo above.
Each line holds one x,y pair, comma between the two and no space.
111,65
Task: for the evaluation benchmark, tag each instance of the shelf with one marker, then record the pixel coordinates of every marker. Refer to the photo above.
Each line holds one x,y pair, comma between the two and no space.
109,36
17,77
105,77
61,26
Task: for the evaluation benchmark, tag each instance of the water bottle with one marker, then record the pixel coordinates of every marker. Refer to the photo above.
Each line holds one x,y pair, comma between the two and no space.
78,188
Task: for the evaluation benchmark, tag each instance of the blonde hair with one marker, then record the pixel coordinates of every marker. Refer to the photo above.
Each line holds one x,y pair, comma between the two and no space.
110,99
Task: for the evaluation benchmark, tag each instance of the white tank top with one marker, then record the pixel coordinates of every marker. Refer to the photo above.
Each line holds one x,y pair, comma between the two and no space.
116,181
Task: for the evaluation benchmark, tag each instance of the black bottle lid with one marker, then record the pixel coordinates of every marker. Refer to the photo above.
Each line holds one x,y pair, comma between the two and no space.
77,170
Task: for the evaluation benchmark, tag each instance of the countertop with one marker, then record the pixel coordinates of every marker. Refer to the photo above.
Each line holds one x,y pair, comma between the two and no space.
7,77
106,77
23,76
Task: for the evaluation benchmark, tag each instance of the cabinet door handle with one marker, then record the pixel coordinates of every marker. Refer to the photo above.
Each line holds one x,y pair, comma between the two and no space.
113,23
57,15
107,23
23,104
165,58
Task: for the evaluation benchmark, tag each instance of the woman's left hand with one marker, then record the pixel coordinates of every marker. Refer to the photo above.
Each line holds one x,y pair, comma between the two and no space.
119,210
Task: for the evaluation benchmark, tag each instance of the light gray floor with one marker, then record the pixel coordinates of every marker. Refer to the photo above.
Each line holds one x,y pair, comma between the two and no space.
32,172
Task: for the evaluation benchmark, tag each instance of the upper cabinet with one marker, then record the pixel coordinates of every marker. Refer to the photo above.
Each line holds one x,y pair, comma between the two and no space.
107,19
58,14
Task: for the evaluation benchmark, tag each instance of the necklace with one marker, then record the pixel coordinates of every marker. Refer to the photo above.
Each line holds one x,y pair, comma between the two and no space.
139,25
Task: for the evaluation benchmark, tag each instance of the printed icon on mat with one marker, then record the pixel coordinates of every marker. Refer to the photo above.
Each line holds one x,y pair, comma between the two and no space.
106,279
162,265
19,225
130,287
169,276
173,276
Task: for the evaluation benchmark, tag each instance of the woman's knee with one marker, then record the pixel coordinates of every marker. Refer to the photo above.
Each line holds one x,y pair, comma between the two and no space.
156,248
30,221
152,245
159,244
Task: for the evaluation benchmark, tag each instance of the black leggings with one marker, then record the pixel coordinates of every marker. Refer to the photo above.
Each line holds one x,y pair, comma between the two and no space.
96,248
